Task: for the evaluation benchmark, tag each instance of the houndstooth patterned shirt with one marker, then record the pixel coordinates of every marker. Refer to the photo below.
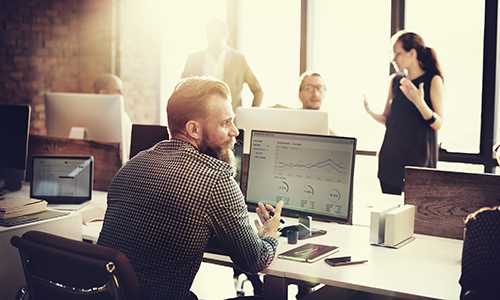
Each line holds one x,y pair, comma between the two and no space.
165,205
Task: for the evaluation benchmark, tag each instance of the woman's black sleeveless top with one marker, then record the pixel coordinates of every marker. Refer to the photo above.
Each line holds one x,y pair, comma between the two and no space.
408,140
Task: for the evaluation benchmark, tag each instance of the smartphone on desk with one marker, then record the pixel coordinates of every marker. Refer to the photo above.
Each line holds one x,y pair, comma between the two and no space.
345,260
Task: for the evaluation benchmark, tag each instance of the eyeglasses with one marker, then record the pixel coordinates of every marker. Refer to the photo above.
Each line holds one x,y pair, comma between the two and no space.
311,88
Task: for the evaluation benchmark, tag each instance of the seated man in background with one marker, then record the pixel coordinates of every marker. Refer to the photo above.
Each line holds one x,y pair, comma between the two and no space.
167,202
108,84
111,84
312,92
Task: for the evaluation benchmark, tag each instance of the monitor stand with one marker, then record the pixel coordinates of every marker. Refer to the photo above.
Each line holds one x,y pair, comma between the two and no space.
304,228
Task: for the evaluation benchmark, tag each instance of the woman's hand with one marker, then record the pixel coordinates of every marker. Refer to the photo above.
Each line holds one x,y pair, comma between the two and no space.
367,107
416,96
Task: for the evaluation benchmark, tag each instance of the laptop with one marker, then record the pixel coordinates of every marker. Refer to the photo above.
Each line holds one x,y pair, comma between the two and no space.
62,179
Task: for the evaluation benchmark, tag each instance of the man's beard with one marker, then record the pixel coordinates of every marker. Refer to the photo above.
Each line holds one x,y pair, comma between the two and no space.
223,151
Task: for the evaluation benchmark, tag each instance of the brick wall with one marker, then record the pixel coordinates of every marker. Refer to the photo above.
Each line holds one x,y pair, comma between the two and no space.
97,41
63,45
38,42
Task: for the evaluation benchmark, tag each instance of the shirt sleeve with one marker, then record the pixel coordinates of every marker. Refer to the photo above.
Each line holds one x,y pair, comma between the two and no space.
228,218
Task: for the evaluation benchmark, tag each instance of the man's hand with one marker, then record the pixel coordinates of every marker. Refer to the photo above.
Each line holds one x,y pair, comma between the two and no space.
270,224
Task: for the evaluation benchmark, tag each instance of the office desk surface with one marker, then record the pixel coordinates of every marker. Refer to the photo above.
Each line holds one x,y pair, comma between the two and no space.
427,268
11,271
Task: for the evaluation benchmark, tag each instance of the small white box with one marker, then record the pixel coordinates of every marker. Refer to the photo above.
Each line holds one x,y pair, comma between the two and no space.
399,225
377,224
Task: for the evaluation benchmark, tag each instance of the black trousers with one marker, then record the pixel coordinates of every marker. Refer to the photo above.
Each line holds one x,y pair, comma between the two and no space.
390,189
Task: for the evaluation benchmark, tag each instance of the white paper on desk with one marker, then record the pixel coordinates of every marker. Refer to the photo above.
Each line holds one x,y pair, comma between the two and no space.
93,215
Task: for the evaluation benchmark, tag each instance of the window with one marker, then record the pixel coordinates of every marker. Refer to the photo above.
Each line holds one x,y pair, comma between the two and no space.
455,29
269,37
350,47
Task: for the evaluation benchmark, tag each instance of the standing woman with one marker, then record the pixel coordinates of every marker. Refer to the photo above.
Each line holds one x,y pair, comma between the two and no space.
413,111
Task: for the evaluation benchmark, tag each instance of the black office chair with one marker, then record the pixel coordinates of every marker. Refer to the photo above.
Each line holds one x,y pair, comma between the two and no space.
480,278
59,268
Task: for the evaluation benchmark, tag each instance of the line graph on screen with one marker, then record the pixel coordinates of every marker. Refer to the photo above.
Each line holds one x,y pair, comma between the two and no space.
321,164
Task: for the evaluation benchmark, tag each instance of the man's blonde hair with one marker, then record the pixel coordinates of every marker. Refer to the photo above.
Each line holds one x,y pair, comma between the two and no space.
189,101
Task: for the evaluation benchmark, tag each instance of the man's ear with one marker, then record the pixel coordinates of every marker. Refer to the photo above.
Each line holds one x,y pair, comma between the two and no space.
193,129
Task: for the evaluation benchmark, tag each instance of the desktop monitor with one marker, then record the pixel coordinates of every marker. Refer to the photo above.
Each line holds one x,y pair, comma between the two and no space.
90,116
312,174
14,134
146,136
281,119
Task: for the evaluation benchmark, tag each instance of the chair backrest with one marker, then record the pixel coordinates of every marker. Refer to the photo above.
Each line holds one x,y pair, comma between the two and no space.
480,278
146,136
443,199
61,268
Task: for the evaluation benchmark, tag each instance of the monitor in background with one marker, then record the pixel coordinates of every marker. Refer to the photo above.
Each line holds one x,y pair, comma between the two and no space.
312,175
281,119
14,134
146,136
91,116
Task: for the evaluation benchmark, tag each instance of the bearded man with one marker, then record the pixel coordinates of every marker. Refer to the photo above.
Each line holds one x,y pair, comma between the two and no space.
169,201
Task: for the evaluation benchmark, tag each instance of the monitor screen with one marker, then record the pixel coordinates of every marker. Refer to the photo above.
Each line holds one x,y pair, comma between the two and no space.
146,136
98,117
311,174
281,119
14,134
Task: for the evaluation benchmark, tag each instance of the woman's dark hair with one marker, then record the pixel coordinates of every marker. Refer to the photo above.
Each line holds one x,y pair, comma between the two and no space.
426,56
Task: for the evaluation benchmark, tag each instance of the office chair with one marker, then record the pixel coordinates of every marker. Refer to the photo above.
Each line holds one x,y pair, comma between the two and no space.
480,278
59,268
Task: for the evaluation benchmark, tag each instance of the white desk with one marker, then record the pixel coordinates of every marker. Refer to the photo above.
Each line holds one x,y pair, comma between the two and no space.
427,268
11,272
91,231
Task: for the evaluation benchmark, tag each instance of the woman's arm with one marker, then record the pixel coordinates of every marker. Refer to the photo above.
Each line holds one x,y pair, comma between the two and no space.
381,118
416,96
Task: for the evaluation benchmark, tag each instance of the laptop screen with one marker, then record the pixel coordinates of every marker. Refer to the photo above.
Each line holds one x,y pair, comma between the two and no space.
62,179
